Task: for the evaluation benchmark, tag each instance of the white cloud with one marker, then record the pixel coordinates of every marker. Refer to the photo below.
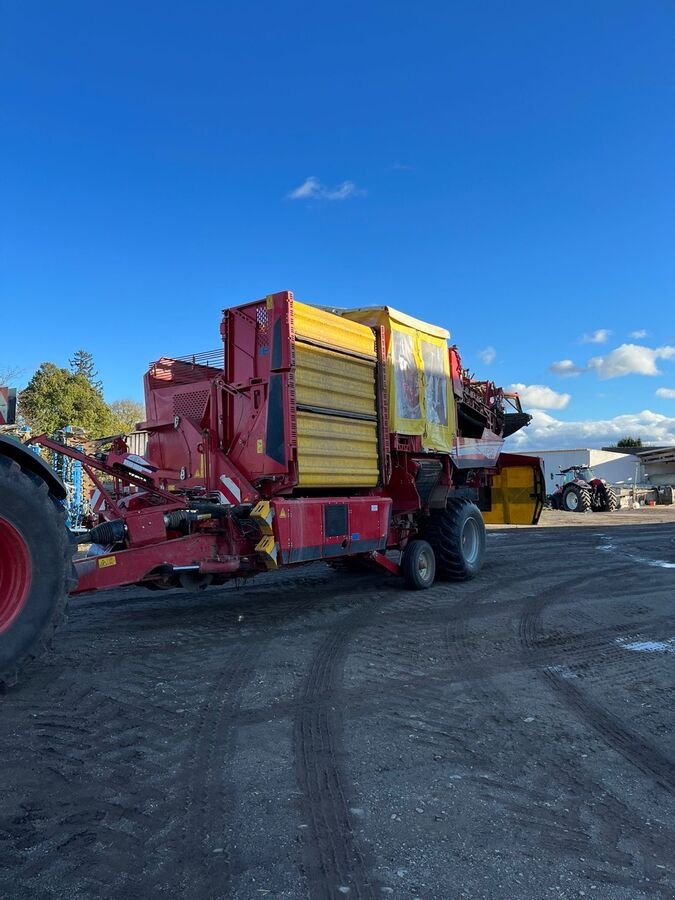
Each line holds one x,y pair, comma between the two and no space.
630,359
640,333
548,433
596,337
667,393
539,396
487,355
566,368
312,189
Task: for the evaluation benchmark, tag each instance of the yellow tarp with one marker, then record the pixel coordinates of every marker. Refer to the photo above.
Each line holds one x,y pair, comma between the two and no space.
418,376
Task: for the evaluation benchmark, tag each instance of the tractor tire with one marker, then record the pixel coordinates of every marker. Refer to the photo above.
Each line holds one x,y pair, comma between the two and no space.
457,537
418,565
554,500
607,498
576,499
36,567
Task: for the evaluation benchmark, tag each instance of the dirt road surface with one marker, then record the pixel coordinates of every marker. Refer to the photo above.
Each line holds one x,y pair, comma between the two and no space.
332,735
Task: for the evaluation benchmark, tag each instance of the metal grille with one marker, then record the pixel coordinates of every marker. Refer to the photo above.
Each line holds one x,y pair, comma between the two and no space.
190,405
186,369
262,331
293,404
291,377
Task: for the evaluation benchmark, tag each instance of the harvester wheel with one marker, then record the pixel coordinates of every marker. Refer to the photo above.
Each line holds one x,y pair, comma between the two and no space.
457,535
576,499
36,568
418,565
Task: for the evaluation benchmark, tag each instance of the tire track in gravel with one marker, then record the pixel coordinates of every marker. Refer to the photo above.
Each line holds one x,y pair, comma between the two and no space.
335,862
122,779
192,626
207,858
83,776
572,650
564,829
632,746
629,845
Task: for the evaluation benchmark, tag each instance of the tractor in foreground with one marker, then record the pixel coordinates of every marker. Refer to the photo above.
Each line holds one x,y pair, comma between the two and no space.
581,490
309,434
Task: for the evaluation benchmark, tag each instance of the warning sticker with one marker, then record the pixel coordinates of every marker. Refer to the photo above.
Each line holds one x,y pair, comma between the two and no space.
105,561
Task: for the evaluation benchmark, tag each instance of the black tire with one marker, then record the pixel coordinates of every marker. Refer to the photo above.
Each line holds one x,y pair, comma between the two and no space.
457,536
555,501
576,499
418,565
610,501
36,568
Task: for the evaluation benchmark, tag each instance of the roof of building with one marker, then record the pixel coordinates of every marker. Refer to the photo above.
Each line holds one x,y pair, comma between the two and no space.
655,453
575,450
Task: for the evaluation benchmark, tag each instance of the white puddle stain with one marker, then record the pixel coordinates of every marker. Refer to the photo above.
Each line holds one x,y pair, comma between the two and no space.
563,671
654,563
667,646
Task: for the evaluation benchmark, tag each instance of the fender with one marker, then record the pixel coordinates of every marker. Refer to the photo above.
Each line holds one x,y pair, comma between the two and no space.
33,463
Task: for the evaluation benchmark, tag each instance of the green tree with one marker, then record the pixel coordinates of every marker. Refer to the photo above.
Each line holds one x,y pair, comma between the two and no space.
82,363
126,414
55,397
629,442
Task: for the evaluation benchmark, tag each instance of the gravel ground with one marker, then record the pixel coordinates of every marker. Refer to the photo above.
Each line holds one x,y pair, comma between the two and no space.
331,735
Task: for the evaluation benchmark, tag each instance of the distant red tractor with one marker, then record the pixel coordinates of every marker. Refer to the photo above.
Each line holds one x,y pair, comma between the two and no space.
581,490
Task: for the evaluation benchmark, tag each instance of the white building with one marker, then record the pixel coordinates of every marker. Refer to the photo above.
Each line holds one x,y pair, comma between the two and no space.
618,469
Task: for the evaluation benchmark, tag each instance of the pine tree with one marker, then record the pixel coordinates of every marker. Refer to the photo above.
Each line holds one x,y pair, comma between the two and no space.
55,397
82,363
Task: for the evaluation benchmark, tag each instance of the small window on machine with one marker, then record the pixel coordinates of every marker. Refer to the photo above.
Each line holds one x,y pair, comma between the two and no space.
335,519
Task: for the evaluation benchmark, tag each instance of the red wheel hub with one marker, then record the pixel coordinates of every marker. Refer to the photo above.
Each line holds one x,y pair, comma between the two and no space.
15,573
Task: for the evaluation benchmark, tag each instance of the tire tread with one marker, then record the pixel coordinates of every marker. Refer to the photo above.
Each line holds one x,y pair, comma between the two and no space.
441,530
53,524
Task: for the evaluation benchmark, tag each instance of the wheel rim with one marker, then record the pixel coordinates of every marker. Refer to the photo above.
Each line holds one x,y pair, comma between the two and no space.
15,573
571,501
424,565
470,541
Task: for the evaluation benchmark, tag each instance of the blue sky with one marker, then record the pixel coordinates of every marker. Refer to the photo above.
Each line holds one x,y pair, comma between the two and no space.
503,169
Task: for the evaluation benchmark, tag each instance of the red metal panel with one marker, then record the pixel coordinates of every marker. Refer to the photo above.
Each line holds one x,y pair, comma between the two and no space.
259,427
301,531
456,372
7,406
146,527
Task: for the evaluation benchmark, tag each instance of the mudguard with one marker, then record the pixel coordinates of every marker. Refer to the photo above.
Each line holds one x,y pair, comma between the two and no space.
31,462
